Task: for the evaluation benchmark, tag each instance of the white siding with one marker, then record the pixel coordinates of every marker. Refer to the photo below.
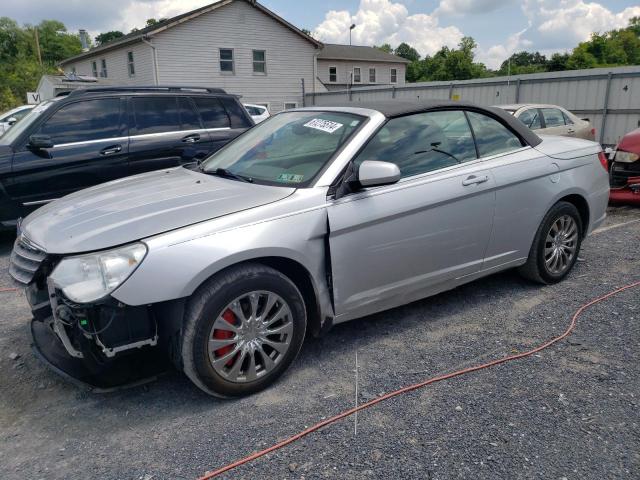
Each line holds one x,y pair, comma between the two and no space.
117,70
345,67
188,54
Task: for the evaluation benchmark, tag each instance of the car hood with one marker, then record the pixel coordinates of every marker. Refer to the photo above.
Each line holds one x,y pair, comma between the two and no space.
136,207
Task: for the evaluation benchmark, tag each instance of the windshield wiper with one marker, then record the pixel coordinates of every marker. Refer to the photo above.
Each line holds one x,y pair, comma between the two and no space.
225,173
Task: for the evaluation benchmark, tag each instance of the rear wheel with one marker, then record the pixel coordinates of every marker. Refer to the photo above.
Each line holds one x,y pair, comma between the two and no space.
242,330
556,245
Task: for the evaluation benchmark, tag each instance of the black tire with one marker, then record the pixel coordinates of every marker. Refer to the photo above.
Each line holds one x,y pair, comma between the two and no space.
535,269
207,303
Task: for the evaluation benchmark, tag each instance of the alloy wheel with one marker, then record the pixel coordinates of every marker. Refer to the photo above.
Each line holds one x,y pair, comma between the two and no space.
560,245
250,336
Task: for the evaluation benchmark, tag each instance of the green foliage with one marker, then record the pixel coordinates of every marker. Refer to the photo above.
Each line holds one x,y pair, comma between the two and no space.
614,48
21,69
108,36
405,50
385,47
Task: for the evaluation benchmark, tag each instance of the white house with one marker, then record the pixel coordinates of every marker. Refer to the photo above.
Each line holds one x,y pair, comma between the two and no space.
344,66
238,45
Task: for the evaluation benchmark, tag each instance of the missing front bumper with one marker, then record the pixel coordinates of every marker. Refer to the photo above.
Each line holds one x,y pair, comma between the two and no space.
125,371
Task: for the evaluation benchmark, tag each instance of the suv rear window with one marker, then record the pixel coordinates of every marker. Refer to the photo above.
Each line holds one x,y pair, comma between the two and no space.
237,114
212,112
155,114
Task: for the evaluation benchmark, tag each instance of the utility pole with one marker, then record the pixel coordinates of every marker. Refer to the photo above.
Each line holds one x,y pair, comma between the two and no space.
35,29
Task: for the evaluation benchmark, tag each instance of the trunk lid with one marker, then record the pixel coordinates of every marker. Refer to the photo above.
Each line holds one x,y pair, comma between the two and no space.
566,148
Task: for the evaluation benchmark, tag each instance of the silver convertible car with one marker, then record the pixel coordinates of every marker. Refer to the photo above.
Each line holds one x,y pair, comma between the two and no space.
314,217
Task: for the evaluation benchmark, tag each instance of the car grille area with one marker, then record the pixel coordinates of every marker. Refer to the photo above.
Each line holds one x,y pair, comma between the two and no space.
26,259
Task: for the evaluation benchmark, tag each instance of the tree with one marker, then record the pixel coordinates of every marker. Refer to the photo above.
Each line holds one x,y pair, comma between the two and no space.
385,47
405,50
108,37
558,62
153,21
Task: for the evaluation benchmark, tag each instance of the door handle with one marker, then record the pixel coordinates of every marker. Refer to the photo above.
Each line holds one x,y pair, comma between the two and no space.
191,138
111,150
571,130
473,180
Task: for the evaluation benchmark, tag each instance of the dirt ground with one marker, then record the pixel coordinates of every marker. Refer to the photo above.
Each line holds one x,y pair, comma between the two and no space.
569,412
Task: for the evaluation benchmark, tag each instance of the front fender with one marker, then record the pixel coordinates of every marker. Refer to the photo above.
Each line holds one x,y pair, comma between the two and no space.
176,270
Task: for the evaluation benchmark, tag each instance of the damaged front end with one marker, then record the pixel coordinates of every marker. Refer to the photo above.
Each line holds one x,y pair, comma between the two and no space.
624,178
102,343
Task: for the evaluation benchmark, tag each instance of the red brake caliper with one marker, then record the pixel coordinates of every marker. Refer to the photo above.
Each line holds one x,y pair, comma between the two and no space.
222,334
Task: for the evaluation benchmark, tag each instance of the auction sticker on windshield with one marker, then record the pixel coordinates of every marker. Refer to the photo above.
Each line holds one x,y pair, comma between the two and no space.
323,125
290,177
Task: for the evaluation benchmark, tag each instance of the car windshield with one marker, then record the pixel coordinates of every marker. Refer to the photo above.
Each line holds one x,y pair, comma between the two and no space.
286,149
16,130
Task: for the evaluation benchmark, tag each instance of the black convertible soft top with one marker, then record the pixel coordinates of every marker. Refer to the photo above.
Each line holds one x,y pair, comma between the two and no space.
399,108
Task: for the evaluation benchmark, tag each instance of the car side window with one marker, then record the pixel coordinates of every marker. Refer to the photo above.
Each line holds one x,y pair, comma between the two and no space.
422,142
553,117
212,112
189,119
236,113
155,115
531,118
83,121
492,137
567,119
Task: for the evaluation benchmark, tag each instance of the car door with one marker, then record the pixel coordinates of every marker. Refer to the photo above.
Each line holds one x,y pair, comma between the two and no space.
394,244
166,131
217,122
524,182
554,122
90,147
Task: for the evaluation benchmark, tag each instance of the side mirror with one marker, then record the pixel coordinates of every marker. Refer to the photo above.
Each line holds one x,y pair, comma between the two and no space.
373,173
11,120
39,142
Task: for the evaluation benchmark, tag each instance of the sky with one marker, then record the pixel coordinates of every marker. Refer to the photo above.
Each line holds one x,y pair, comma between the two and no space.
500,27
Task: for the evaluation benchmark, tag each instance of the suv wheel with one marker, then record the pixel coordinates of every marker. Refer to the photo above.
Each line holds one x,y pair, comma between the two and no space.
556,245
243,328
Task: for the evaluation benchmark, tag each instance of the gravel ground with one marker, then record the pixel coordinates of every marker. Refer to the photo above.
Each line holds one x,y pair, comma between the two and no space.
571,411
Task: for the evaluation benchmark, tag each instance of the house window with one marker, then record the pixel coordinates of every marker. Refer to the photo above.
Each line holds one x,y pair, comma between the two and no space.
259,61
394,75
357,76
226,60
290,105
333,74
130,66
372,75
103,68
94,69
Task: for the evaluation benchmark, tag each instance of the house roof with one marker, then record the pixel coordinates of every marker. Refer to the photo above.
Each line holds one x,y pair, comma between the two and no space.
151,30
333,51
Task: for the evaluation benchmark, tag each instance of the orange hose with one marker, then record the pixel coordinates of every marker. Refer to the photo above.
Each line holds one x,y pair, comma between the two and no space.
9,289
410,388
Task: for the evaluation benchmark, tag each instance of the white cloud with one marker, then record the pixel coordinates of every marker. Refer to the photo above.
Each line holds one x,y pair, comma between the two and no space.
383,21
557,25
465,7
562,24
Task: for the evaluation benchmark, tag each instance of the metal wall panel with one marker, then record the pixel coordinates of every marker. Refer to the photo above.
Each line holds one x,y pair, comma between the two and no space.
582,91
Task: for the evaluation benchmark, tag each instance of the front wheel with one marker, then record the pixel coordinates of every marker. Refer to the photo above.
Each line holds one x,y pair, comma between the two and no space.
556,245
243,329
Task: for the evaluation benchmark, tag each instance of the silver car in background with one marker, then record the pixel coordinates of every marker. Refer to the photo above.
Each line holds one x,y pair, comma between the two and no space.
313,217
551,120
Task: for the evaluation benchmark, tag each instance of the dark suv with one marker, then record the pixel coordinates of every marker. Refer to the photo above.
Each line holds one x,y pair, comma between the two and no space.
94,135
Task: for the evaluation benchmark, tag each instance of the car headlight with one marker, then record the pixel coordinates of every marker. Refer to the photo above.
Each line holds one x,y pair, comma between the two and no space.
626,157
90,277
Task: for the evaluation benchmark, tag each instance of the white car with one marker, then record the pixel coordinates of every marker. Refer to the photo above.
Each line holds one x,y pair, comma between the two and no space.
12,116
259,113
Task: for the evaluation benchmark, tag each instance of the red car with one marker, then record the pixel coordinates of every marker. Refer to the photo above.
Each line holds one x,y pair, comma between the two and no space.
625,170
